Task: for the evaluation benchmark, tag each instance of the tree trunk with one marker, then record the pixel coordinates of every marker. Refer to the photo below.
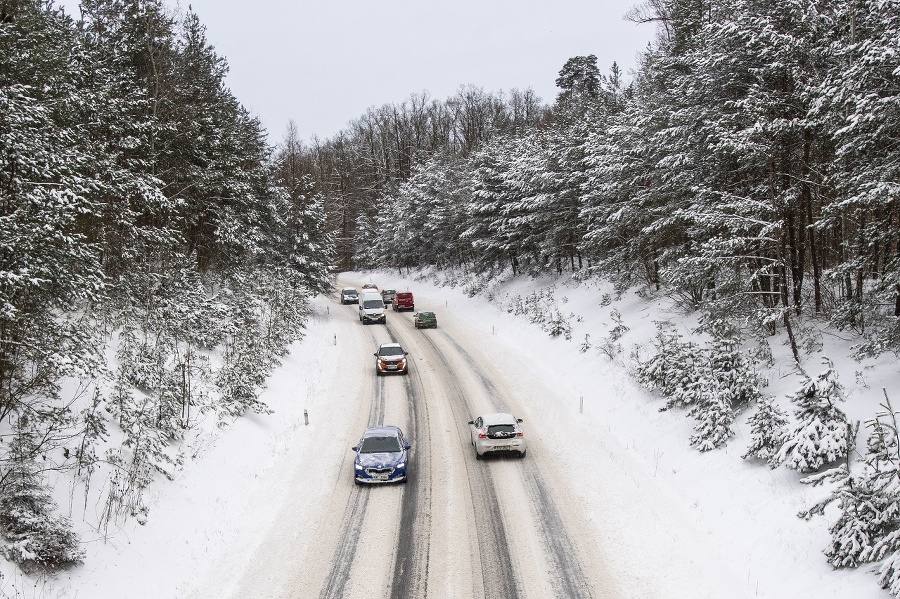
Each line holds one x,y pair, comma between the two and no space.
806,198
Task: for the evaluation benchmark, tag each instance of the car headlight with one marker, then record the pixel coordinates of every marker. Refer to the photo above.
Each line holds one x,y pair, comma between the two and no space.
359,466
401,465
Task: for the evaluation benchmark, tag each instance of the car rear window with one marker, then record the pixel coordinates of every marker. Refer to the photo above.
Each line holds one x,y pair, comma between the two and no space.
501,431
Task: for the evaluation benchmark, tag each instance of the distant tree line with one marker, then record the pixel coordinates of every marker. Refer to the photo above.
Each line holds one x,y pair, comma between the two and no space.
141,211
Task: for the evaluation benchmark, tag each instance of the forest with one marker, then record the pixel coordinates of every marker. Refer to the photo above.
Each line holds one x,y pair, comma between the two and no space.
156,257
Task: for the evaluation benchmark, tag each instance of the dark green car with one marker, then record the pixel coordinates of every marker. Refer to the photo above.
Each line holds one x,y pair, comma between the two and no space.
425,320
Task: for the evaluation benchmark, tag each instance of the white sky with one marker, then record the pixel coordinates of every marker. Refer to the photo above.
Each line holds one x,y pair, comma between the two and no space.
324,63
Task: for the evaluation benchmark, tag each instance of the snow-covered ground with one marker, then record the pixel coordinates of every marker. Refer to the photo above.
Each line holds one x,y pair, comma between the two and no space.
738,517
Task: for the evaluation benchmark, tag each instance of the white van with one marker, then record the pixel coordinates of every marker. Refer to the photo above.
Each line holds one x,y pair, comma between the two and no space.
371,308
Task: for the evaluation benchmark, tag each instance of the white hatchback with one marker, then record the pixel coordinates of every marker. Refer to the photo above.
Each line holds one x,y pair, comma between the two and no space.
497,433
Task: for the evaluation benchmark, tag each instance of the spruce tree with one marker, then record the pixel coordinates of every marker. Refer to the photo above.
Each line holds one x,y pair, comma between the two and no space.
821,433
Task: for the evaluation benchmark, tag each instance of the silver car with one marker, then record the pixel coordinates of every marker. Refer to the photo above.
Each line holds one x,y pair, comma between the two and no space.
497,433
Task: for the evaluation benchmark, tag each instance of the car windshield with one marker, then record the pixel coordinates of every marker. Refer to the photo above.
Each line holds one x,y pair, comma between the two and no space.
379,445
373,304
350,291
391,351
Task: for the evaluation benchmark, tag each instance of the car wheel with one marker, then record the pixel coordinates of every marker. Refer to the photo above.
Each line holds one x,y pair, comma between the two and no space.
478,456
521,454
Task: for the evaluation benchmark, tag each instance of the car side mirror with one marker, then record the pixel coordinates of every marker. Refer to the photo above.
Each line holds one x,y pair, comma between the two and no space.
375,354
406,446
471,422
355,448
518,420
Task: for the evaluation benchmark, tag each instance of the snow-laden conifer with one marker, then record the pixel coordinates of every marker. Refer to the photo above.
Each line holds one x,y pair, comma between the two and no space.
868,527
712,381
820,435
713,415
37,537
767,428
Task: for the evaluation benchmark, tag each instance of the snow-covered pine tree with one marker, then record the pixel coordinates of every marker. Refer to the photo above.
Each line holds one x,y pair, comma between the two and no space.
859,100
820,435
37,537
868,529
673,370
486,222
729,382
713,416
767,428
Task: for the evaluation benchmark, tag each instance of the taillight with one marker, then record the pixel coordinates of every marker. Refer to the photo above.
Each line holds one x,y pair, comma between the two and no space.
483,433
521,433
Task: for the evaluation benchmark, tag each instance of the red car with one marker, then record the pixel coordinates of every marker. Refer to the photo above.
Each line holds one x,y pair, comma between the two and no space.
403,300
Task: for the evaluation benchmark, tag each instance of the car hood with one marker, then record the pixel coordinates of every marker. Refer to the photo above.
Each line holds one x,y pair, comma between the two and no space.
380,460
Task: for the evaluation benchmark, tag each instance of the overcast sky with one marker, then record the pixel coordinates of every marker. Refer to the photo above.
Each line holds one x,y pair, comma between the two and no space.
323,63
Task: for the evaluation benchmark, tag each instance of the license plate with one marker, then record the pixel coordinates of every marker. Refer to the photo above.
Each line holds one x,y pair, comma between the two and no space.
392,367
380,476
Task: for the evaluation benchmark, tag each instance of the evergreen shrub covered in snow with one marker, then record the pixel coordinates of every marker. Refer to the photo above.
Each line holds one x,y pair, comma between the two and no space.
542,309
37,537
711,381
868,528
821,433
767,429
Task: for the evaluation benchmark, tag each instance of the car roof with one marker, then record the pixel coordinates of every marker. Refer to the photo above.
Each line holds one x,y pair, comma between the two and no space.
498,418
349,289
390,345
384,430
426,312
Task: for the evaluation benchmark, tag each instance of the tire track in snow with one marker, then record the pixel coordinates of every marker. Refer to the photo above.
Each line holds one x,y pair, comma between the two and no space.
354,513
570,580
499,578
410,573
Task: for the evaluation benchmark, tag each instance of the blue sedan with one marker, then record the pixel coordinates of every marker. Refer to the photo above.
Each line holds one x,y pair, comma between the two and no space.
381,456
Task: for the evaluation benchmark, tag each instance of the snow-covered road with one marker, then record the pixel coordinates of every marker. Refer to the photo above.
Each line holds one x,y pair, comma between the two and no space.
503,527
